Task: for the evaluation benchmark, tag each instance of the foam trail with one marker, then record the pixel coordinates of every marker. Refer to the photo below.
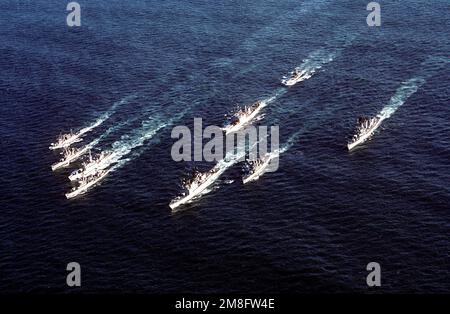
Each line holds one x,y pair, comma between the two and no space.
402,94
291,141
430,66
127,143
315,61
95,142
277,94
105,116
108,132
270,99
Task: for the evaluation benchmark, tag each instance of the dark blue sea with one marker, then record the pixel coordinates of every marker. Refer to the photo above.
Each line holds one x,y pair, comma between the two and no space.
145,67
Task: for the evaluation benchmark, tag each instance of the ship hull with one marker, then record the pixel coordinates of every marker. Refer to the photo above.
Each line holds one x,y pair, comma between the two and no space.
196,192
82,190
365,137
254,176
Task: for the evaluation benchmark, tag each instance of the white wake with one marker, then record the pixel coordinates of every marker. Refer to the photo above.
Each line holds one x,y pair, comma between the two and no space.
405,91
105,116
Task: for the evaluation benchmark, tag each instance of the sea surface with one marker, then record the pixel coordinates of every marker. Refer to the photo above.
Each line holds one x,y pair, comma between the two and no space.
144,67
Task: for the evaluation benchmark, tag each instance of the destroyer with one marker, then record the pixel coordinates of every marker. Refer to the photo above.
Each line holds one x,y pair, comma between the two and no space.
243,116
65,140
93,166
255,168
86,183
70,155
296,76
195,185
366,128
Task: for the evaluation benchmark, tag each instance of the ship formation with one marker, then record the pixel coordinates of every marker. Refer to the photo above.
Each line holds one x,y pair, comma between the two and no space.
93,169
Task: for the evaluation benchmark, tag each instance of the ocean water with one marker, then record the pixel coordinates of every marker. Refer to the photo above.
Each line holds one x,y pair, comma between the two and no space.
142,67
